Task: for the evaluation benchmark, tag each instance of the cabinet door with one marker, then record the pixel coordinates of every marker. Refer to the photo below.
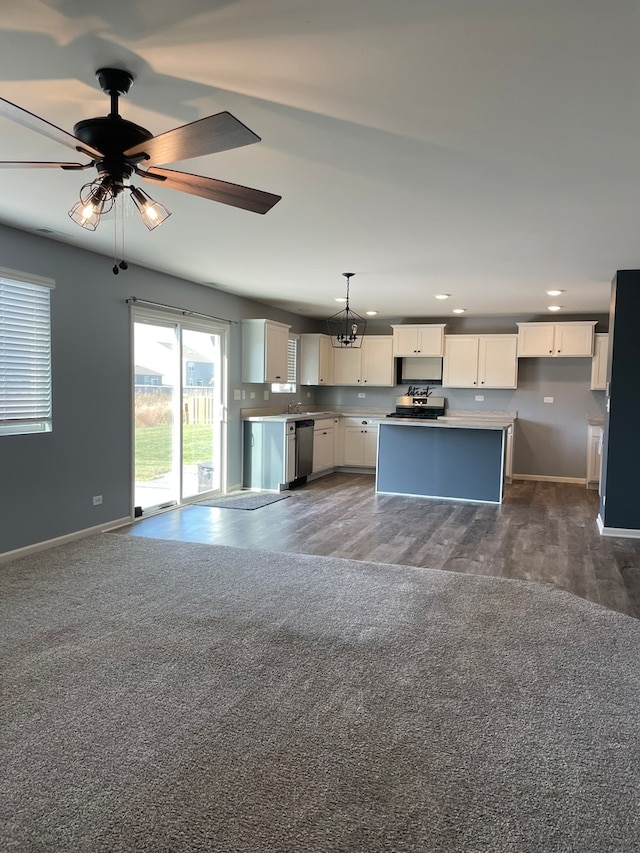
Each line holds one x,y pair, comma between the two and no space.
405,341
370,446
316,360
347,366
322,449
535,339
377,361
325,361
574,339
353,445
599,363
290,466
460,367
593,454
497,361
430,340
276,353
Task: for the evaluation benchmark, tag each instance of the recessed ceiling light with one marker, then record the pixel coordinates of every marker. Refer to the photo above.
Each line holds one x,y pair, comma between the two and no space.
371,313
554,292
442,295
554,307
459,310
340,299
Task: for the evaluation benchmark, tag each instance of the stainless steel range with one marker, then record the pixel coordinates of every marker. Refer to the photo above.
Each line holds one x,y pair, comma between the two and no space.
418,403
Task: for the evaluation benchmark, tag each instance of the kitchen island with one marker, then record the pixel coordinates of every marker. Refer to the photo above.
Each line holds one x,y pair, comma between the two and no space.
445,458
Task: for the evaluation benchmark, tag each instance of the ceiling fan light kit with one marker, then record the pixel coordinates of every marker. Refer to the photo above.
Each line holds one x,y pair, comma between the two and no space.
346,328
117,148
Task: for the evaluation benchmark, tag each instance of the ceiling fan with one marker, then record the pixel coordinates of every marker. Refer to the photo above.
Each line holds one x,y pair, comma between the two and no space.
118,149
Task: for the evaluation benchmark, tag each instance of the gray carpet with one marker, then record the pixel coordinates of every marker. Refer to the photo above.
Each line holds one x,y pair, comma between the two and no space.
166,696
244,500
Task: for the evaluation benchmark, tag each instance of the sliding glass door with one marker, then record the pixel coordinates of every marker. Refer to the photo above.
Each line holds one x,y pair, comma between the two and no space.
179,394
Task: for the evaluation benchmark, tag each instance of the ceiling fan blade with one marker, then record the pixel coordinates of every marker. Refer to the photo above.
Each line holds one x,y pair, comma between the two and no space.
41,164
209,135
256,201
34,122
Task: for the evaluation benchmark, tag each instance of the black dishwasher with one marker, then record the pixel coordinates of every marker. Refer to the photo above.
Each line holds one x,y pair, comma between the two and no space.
304,448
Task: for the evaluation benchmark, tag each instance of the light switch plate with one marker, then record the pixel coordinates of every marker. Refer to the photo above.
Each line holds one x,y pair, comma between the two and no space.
548,400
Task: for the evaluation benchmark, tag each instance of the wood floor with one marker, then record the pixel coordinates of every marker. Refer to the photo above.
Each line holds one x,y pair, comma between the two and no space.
544,532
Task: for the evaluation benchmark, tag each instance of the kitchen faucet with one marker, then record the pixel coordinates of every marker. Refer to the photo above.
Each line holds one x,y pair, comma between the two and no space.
298,407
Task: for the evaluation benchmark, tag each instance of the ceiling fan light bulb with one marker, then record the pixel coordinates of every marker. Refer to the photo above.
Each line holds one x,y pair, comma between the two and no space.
151,212
85,215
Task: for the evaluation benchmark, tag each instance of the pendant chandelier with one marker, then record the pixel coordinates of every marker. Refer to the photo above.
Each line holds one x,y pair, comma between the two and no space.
346,328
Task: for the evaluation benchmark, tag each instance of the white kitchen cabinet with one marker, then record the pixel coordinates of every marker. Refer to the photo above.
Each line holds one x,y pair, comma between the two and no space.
599,363
480,361
360,442
594,455
316,360
290,460
418,340
265,346
558,340
323,443
370,364
508,456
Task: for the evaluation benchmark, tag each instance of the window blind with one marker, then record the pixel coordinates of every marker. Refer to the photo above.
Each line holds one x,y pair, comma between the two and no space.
25,356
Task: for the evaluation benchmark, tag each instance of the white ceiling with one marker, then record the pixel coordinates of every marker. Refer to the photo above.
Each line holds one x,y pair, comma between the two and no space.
489,150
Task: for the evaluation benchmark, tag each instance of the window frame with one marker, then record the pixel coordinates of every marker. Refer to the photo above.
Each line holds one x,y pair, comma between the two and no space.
293,366
25,353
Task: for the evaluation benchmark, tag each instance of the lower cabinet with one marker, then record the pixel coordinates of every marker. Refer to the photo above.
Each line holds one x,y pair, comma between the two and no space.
323,442
508,456
360,442
594,455
269,454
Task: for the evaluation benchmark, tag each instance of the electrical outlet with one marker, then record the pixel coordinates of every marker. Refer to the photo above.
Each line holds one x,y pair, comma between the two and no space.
97,500
548,400
266,395
252,395
244,394
479,398
237,395
308,394
362,395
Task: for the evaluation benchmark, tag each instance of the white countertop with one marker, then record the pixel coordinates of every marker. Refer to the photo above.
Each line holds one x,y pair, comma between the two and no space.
452,423
460,418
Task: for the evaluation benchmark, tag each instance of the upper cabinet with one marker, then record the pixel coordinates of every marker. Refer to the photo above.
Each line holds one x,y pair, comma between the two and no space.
480,361
599,363
418,340
264,351
316,360
563,340
370,364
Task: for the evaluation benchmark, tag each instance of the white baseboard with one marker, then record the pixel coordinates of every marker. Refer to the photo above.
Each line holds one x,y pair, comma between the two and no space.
621,532
578,481
62,540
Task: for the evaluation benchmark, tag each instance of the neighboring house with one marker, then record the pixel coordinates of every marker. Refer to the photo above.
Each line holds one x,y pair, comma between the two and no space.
146,376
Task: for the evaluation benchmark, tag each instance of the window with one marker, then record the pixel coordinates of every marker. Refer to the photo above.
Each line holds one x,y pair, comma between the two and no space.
290,386
25,353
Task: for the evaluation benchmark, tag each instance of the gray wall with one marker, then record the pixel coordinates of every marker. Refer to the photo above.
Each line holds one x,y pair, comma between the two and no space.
47,480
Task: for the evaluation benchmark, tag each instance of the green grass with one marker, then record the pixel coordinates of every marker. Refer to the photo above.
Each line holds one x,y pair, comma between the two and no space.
153,448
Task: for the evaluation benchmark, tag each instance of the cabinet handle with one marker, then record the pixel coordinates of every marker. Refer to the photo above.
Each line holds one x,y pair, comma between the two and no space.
551,350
